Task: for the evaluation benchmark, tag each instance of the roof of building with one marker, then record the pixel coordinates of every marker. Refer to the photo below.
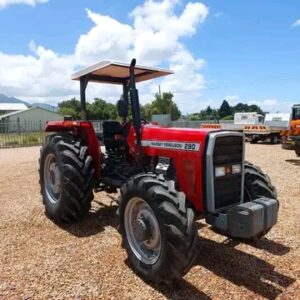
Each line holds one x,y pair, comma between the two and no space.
117,72
28,109
12,106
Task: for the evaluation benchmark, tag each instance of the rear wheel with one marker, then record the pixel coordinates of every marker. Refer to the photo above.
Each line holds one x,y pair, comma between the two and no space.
157,227
274,139
66,178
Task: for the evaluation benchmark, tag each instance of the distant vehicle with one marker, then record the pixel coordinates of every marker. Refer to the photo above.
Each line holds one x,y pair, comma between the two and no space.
270,130
240,120
248,118
290,139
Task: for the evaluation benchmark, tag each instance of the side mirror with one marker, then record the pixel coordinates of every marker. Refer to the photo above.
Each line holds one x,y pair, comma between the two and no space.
122,107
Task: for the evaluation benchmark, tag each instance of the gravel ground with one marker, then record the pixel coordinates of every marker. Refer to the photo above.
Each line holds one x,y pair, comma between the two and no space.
40,260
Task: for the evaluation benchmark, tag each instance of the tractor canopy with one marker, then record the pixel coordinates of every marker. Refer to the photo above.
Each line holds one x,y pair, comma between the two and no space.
115,73
118,73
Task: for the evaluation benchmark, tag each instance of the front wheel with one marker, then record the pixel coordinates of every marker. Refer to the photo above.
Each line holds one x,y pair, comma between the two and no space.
157,227
257,185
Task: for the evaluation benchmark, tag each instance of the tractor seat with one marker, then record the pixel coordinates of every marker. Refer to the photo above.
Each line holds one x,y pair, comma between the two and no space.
114,135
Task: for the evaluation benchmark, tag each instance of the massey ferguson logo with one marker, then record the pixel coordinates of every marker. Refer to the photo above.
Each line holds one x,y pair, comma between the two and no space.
172,145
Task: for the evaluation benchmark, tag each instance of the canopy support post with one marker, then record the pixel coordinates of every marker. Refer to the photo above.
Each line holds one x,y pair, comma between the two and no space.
83,85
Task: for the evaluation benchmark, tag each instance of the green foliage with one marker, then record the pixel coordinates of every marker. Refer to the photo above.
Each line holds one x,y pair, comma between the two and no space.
98,110
194,117
240,107
68,111
102,110
164,104
32,138
225,109
230,117
205,114
146,111
70,107
226,112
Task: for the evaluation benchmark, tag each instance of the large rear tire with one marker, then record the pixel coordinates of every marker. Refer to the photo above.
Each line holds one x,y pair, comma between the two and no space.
66,178
157,227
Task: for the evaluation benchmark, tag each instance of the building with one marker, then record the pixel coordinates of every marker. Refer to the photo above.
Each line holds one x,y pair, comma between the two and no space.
32,119
6,108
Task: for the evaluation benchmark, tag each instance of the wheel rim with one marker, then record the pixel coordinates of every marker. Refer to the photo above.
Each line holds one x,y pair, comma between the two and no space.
52,179
142,231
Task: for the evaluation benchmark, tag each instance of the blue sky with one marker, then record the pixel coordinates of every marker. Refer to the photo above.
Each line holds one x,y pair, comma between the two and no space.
248,50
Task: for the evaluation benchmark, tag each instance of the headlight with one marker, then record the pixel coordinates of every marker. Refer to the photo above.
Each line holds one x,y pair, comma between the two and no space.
220,171
236,169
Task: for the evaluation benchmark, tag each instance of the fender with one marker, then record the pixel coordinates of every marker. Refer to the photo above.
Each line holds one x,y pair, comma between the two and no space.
86,132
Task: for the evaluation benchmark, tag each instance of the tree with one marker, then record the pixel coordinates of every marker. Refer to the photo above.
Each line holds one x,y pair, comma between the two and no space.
102,110
240,107
146,111
225,109
97,110
70,107
69,111
163,104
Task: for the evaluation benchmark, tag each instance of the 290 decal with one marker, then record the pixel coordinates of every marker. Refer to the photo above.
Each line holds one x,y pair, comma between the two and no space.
172,145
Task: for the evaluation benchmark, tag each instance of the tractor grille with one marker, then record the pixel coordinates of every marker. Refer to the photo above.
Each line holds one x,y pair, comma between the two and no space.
227,152
224,150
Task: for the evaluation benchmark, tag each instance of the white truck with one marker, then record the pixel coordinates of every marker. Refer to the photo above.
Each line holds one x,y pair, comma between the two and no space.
248,118
240,120
270,130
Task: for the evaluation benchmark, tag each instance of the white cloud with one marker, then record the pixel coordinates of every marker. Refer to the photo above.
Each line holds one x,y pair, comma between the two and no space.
154,38
296,23
218,14
43,75
4,3
108,39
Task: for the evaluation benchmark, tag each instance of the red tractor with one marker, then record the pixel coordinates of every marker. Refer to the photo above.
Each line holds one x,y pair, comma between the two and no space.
167,178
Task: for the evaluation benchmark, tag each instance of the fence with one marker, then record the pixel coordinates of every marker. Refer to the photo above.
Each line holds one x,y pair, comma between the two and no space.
21,133
27,133
31,133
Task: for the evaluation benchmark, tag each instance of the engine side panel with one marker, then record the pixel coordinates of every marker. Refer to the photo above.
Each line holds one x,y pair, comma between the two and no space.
186,147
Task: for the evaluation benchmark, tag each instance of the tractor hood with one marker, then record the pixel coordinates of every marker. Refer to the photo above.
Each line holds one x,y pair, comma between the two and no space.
157,140
181,139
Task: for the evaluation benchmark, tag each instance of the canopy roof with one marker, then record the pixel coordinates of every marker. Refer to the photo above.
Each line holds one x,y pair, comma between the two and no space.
118,73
